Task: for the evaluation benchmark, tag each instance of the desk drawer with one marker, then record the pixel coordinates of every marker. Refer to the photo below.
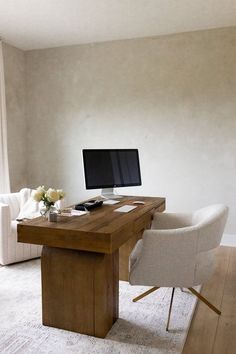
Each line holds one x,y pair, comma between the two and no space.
142,223
160,209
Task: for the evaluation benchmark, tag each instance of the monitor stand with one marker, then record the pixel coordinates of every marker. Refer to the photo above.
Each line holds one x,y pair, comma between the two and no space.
108,193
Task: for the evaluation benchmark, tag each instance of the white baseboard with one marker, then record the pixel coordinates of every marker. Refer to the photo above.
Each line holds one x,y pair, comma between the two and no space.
228,240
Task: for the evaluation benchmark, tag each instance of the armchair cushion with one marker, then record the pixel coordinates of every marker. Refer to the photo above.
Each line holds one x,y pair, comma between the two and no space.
25,194
11,250
29,210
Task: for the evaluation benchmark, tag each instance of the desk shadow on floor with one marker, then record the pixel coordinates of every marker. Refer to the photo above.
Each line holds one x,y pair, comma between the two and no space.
131,333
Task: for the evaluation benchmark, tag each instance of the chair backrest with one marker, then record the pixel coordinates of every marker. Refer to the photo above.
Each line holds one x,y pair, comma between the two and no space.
14,202
179,257
210,222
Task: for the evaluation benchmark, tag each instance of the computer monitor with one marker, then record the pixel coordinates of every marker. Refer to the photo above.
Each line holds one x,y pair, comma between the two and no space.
110,168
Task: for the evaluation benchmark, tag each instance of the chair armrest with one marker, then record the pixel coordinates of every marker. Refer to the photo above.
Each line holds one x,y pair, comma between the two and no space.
162,221
136,253
167,258
5,218
5,226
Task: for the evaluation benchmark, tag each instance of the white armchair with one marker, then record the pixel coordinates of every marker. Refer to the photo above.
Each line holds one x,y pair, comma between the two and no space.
178,251
12,251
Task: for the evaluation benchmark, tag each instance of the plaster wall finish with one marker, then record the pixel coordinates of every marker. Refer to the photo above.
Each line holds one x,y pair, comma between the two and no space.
172,97
14,70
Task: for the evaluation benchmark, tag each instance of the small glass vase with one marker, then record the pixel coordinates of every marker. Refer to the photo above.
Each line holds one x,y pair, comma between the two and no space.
46,210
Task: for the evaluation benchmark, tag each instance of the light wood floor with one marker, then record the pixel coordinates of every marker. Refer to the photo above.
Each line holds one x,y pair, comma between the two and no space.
210,333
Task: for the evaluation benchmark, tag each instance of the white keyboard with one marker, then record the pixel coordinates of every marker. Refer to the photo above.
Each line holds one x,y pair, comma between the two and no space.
110,202
125,208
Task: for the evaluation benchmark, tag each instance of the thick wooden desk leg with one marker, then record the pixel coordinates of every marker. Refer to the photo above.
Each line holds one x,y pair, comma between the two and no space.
80,290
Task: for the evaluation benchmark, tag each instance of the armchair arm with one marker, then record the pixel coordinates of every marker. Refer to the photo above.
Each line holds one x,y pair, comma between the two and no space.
167,258
136,253
162,221
5,219
5,227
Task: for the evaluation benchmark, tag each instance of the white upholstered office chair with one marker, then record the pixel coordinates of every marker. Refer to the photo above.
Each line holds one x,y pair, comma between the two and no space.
11,207
178,251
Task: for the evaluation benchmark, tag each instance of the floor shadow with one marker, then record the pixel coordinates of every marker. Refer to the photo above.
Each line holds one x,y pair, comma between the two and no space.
131,333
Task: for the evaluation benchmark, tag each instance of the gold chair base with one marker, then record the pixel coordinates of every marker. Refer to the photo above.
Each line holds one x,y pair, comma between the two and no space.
202,298
145,294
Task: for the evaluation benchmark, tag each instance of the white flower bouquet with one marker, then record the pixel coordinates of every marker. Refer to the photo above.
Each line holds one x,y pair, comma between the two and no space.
48,196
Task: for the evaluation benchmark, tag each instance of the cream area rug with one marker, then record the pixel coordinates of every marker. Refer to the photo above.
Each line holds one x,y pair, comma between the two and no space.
139,329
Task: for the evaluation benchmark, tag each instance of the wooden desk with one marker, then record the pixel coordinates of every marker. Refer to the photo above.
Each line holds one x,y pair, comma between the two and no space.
80,263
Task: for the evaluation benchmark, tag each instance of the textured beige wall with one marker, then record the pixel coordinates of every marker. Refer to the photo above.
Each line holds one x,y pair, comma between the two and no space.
172,97
14,69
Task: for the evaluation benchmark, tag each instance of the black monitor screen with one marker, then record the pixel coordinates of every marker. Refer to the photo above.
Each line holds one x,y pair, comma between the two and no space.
111,168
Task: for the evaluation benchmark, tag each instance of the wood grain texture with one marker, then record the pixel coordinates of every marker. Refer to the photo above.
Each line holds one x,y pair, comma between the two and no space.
225,338
106,293
102,230
79,290
210,333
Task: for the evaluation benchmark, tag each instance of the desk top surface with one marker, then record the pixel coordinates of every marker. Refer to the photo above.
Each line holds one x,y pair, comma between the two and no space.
102,230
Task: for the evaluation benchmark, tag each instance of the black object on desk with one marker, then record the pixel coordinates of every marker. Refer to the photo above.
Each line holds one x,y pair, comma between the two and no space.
92,204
